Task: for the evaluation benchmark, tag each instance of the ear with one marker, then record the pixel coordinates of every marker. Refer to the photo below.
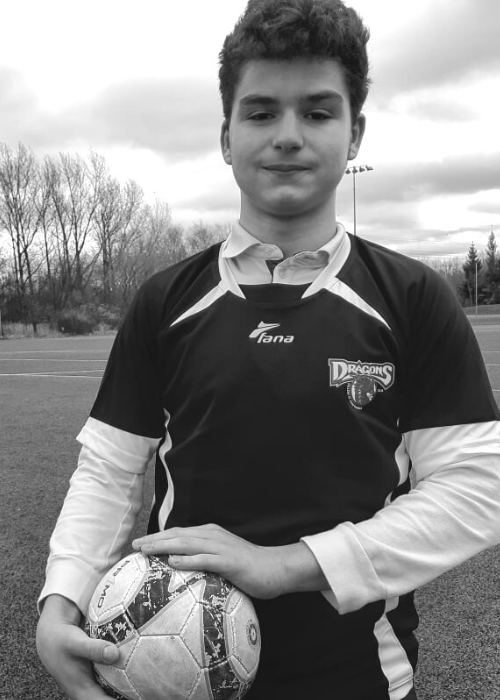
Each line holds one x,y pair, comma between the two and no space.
357,133
225,142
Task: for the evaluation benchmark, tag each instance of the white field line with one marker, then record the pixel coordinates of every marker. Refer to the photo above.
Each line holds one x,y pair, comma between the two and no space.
52,352
55,375
45,359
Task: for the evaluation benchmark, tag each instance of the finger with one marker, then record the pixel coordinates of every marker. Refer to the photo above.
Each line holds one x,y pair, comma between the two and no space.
197,562
200,531
96,650
182,545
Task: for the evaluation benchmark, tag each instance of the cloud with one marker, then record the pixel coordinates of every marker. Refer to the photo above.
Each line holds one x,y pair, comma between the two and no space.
178,119
17,105
437,108
452,41
487,206
409,182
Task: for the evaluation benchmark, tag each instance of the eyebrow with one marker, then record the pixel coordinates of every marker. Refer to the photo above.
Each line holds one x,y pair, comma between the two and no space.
313,98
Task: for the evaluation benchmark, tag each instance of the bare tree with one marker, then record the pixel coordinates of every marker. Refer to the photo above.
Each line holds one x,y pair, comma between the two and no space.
21,212
153,243
202,235
73,197
116,211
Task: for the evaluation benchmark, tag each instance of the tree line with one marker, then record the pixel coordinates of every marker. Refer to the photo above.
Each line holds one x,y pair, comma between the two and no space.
77,243
477,277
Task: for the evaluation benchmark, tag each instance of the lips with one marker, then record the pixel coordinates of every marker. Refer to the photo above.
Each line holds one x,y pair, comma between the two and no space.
286,167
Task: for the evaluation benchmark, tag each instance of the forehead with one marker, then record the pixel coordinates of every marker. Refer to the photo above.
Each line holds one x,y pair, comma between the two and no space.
289,80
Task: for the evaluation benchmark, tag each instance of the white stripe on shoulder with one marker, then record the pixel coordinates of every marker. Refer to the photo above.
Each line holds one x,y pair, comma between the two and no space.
343,290
128,451
210,298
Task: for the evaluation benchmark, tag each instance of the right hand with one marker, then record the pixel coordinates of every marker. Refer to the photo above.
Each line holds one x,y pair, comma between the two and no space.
67,652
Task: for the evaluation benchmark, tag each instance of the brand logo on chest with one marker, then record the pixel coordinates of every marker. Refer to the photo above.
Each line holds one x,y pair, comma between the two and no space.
262,334
363,379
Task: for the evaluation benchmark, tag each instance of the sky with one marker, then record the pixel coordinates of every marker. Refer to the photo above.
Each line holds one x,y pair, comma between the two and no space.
137,83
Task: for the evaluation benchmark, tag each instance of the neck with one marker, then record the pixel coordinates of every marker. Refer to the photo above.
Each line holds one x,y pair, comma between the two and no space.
291,234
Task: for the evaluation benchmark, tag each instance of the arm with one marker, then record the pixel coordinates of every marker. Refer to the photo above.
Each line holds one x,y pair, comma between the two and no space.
67,652
96,519
99,510
262,572
451,514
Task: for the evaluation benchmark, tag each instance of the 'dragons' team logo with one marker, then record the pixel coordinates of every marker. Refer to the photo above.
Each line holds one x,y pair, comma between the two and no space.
363,379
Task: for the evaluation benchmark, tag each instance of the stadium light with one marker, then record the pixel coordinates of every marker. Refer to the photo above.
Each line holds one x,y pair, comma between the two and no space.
353,170
477,260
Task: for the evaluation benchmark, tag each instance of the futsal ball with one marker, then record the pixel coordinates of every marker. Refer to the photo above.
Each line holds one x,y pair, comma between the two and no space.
182,635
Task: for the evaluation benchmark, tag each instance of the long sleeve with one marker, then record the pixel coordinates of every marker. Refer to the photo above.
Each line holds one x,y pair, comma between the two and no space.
99,511
451,514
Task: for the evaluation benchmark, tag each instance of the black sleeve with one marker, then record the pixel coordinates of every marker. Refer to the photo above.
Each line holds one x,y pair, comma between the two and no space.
129,397
446,381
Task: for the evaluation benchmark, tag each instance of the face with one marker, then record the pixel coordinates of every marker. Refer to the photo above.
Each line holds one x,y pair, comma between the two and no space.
290,136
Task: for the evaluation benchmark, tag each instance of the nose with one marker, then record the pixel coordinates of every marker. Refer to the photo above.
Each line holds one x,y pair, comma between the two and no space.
288,135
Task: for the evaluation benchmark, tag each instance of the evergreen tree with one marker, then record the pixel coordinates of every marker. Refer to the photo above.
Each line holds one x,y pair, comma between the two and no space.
472,286
492,272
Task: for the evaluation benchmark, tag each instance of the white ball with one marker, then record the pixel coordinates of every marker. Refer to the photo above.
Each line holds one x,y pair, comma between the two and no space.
182,635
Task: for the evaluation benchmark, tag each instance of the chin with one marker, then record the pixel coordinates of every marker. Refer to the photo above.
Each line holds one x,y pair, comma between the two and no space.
289,207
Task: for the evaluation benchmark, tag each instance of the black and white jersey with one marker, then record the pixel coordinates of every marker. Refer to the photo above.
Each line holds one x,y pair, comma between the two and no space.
289,412
286,412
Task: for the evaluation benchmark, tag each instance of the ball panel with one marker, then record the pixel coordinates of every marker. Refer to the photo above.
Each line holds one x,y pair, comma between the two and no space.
243,637
215,594
118,587
224,683
192,635
117,630
173,616
112,692
115,678
201,690
160,586
179,577
162,667
126,650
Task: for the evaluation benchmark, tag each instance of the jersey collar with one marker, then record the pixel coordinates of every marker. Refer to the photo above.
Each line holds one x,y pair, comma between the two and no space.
240,242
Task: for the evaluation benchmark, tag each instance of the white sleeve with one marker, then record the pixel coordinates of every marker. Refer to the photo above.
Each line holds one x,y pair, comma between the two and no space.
99,510
451,514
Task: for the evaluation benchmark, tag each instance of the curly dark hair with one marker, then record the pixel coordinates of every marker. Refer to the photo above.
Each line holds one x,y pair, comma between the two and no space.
288,29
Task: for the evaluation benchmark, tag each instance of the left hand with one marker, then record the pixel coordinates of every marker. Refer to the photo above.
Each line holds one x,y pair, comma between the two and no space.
258,571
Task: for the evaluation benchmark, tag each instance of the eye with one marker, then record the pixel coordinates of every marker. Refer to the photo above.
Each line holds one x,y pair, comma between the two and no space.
260,116
318,115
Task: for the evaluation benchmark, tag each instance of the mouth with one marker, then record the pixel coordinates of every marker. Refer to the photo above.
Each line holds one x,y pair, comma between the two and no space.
286,167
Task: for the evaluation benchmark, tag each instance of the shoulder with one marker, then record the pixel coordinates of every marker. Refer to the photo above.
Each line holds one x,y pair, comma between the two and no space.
392,265
405,289
185,272
170,291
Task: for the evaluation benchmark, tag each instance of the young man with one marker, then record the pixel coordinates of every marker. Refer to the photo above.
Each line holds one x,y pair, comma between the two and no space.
289,381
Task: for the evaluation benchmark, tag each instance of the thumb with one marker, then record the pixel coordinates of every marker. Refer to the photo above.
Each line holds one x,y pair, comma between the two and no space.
96,650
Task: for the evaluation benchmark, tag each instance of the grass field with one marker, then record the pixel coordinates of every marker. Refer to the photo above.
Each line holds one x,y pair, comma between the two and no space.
47,387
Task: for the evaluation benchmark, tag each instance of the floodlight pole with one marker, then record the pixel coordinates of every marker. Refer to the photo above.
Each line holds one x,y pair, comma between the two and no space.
476,289
352,171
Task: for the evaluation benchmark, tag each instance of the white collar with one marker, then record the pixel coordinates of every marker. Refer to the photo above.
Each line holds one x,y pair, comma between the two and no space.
240,242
